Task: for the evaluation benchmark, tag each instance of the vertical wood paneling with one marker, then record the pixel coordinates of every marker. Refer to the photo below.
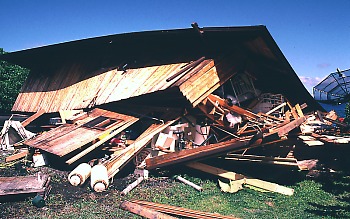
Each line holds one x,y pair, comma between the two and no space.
72,88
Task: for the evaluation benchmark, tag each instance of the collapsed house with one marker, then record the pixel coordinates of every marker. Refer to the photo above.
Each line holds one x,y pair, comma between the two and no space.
165,97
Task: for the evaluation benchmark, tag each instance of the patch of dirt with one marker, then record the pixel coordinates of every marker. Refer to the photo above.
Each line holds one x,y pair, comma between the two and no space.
62,194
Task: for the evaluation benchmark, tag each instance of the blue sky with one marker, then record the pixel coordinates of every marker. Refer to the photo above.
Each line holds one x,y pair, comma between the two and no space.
312,34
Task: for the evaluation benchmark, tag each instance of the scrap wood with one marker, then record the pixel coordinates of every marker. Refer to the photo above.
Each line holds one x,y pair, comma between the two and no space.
143,211
342,124
198,152
102,141
142,173
272,187
179,211
20,154
276,108
204,109
310,141
290,126
114,164
293,111
23,184
262,159
33,117
233,108
68,138
322,138
67,114
307,164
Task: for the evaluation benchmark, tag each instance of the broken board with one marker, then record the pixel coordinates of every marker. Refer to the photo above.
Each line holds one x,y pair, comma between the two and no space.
70,137
23,184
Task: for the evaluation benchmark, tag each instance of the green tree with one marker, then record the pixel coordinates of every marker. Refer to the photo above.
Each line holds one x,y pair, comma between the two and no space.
11,80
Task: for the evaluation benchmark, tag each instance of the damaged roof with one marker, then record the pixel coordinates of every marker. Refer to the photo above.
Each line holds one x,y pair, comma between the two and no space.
112,64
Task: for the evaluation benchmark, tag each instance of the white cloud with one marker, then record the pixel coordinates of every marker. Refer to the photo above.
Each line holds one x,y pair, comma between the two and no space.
310,82
323,65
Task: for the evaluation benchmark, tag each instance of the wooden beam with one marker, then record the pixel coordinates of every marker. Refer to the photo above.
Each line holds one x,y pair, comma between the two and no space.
263,159
100,142
272,187
234,108
196,153
299,111
32,117
143,211
203,108
215,171
276,108
17,156
182,212
114,164
290,126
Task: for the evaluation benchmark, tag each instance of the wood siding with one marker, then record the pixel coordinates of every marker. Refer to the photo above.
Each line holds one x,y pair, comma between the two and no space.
72,88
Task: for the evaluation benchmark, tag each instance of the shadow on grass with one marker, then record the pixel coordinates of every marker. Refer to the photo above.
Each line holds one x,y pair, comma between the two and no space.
336,183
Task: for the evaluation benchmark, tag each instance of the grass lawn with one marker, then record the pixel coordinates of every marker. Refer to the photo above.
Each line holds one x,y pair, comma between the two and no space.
324,196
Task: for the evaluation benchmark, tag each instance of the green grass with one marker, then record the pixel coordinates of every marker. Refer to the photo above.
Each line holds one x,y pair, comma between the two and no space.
310,200
325,197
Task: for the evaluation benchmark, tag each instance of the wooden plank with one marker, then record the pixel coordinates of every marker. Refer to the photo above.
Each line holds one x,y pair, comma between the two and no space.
190,66
22,184
17,156
33,117
215,171
234,108
290,126
203,67
196,153
70,137
276,108
183,212
299,111
273,187
116,163
217,75
143,211
100,142
292,109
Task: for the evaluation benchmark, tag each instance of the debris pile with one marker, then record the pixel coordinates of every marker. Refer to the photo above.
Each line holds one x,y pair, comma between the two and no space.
96,144
180,97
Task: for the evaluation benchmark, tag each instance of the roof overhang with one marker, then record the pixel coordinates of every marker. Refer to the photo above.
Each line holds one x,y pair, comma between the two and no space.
138,49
